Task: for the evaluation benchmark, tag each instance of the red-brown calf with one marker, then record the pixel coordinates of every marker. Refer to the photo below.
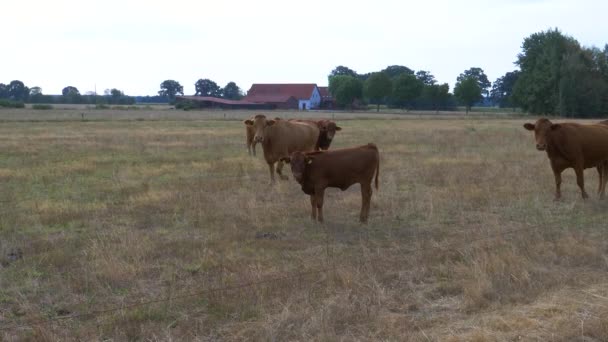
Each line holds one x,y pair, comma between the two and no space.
316,171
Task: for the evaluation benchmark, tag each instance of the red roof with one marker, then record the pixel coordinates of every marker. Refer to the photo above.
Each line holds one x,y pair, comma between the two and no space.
302,91
268,98
324,91
214,99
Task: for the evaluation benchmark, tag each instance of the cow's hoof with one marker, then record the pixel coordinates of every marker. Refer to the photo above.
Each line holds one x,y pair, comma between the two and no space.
284,177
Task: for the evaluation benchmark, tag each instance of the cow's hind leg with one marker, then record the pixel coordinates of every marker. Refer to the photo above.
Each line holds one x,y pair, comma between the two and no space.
604,179
600,173
366,195
253,147
280,171
319,193
580,180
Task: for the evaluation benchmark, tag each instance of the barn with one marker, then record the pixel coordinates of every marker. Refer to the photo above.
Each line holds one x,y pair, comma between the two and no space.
286,95
219,103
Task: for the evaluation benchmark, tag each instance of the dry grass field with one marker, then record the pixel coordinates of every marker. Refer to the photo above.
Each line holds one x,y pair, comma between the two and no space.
166,230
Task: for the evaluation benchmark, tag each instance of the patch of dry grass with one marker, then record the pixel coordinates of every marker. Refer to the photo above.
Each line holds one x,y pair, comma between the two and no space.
464,242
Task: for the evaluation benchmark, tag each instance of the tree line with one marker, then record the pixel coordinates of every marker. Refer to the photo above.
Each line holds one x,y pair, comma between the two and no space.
203,87
556,76
18,93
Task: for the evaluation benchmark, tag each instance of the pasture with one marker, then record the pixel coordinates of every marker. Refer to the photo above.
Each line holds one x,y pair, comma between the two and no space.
128,228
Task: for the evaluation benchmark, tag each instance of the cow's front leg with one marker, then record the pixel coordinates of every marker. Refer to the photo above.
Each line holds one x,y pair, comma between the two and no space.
280,171
558,185
271,169
580,180
253,147
313,205
319,193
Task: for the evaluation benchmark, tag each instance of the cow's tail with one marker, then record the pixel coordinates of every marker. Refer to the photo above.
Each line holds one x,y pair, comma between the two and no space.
377,172
377,163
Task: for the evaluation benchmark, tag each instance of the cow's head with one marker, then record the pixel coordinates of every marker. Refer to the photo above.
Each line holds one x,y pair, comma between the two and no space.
259,124
298,162
541,129
329,128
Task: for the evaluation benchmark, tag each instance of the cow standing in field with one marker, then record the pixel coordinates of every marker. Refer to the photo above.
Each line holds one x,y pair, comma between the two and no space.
279,138
250,131
316,171
327,132
572,145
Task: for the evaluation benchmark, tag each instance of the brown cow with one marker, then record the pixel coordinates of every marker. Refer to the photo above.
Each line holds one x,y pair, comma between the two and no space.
602,171
340,168
572,145
250,131
279,138
327,130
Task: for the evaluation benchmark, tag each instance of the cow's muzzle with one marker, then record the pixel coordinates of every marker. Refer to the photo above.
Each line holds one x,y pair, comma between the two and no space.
541,147
258,139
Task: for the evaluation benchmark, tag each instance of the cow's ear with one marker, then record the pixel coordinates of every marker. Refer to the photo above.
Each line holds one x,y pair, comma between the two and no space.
338,128
248,122
286,160
555,126
529,126
270,122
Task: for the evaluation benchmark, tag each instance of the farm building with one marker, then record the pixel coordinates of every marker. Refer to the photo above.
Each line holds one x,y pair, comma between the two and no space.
327,101
286,95
214,102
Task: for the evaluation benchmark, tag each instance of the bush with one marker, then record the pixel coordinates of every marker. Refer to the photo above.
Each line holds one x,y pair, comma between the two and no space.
11,104
185,105
102,106
42,106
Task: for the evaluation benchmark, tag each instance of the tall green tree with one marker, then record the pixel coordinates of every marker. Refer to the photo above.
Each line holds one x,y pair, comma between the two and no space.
396,70
468,91
345,89
232,91
406,88
502,89
206,87
71,94
377,87
17,91
558,76
480,76
341,70
170,89
426,77
435,96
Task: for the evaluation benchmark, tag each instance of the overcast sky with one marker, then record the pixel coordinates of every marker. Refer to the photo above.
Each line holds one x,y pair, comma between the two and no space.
135,45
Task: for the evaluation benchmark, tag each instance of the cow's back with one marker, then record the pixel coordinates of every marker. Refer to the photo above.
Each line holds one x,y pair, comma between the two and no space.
343,167
285,137
589,141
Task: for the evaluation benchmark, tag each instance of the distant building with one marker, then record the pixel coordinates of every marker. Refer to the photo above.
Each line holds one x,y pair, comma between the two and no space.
327,101
215,102
301,96
286,96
